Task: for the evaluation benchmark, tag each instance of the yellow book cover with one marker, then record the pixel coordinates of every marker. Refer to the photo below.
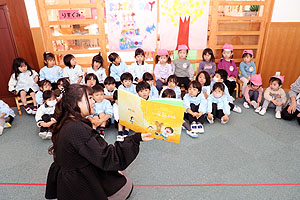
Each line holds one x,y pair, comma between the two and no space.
161,117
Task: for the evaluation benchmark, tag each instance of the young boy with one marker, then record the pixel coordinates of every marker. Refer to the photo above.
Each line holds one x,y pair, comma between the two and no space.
7,116
121,134
143,90
150,80
110,88
138,68
126,80
44,85
103,110
44,114
221,76
172,84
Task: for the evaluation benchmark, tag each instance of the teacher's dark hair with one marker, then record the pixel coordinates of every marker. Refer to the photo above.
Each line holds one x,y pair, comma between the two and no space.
67,108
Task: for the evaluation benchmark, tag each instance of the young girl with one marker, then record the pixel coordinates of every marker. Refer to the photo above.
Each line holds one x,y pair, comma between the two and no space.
217,104
208,64
253,92
24,82
116,67
204,79
138,68
51,71
195,106
44,115
97,68
172,84
247,68
43,85
7,116
91,80
62,85
229,66
72,71
182,67
274,96
168,93
163,68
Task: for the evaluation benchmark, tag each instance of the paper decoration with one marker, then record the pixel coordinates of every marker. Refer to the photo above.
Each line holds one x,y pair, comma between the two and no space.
183,22
131,24
70,14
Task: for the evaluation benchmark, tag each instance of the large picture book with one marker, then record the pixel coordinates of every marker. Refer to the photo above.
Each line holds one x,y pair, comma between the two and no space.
161,117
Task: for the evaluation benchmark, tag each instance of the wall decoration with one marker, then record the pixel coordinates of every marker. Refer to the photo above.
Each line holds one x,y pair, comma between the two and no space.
131,24
183,22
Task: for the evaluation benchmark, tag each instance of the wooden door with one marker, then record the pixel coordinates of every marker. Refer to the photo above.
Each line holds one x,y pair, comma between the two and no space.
8,51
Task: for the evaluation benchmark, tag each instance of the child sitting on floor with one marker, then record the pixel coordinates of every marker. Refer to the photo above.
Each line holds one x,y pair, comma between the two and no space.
143,90
195,106
103,110
204,79
150,80
91,80
274,96
44,114
110,88
97,68
247,68
122,131
217,104
253,93
127,80
7,116
44,86
172,84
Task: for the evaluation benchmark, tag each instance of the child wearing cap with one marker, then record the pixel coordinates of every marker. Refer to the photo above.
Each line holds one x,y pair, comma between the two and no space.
274,96
247,68
253,92
182,67
163,68
229,66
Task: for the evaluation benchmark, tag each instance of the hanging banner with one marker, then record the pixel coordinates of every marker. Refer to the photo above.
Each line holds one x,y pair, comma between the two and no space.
183,22
131,24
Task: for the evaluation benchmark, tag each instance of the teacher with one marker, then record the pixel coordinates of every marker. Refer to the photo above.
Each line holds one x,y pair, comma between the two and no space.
85,166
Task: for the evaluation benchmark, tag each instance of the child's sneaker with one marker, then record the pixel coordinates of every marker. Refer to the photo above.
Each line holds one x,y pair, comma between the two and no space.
237,109
43,135
1,130
278,115
28,110
7,125
49,135
211,121
254,104
263,111
257,109
34,110
194,127
224,122
192,134
246,105
200,128
120,138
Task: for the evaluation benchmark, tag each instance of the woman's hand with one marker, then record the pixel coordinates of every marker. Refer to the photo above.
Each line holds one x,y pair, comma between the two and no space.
146,137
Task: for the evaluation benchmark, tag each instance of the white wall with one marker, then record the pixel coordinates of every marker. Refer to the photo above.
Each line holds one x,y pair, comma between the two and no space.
32,13
286,11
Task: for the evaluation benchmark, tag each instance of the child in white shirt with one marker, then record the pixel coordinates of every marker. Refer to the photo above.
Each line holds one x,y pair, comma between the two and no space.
110,88
97,68
7,116
72,70
172,84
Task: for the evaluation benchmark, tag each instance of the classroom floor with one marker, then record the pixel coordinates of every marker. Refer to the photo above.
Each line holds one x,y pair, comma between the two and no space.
251,157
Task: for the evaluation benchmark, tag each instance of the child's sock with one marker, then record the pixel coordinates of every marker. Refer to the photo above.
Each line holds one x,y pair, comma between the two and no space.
126,133
35,108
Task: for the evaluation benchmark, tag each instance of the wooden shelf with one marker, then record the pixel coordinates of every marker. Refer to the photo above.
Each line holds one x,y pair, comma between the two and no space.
70,22
83,51
227,3
74,37
239,46
69,6
238,18
238,33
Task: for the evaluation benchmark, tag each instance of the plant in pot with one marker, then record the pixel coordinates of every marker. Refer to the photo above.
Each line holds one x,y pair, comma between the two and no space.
253,10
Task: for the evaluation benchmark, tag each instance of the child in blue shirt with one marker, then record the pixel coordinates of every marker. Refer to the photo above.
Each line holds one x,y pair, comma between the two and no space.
110,88
117,67
103,110
172,84
91,80
72,71
247,68
127,80
51,71
217,104
7,116
195,106
150,80
143,90
220,76
44,86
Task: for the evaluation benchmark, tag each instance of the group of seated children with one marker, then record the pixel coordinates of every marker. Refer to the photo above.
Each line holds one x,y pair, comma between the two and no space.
209,97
